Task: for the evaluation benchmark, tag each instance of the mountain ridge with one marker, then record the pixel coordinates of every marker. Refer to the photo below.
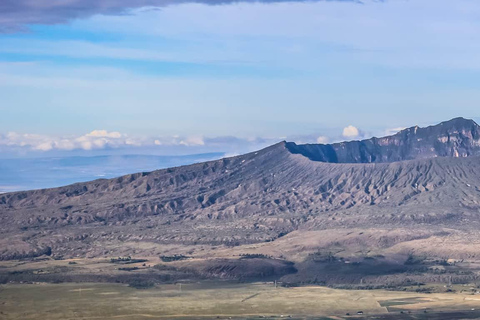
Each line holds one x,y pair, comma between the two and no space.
262,199
458,137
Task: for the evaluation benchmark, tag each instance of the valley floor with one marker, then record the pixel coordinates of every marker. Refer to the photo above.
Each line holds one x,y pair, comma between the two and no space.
224,300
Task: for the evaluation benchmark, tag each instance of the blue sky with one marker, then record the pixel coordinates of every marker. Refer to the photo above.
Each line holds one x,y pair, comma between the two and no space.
89,76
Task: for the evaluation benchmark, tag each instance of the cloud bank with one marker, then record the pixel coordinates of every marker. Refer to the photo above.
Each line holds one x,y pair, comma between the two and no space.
13,143
16,15
95,140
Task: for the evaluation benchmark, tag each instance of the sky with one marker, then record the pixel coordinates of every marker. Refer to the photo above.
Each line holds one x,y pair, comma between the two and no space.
164,77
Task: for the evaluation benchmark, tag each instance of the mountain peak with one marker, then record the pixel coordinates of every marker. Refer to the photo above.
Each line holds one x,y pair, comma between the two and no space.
458,137
460,121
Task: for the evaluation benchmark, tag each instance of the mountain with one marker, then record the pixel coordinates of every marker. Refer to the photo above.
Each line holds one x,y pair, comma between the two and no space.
455,138
416,192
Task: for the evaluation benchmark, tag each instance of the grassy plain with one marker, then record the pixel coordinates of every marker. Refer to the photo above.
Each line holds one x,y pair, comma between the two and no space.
211,300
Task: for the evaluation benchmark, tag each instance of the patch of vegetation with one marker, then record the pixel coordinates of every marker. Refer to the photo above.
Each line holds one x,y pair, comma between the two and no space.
141,284
413,260
176,257
282,234
290,284
424,290
323,256
254,256
128,268
233,243
127,260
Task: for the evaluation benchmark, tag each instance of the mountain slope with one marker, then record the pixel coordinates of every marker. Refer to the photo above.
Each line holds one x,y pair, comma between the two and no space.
258,197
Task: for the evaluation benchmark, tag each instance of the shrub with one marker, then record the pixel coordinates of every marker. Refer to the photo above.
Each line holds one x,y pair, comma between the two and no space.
141,284
254,256
176,257
126,260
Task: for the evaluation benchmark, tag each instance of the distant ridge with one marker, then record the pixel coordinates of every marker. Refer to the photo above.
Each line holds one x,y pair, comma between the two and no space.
458,137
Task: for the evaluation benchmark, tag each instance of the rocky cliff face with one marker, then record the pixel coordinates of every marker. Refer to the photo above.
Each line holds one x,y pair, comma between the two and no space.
455,138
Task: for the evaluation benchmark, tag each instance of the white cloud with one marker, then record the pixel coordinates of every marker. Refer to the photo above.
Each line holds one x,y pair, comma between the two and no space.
105,133
350,132
133,142
97,139
193,141
65,144
323,140
46,146
86,145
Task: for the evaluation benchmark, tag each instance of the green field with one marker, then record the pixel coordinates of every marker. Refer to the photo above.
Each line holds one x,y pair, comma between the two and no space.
210,300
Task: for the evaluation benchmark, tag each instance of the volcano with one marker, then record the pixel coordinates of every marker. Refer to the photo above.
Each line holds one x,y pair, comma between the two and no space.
415,193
